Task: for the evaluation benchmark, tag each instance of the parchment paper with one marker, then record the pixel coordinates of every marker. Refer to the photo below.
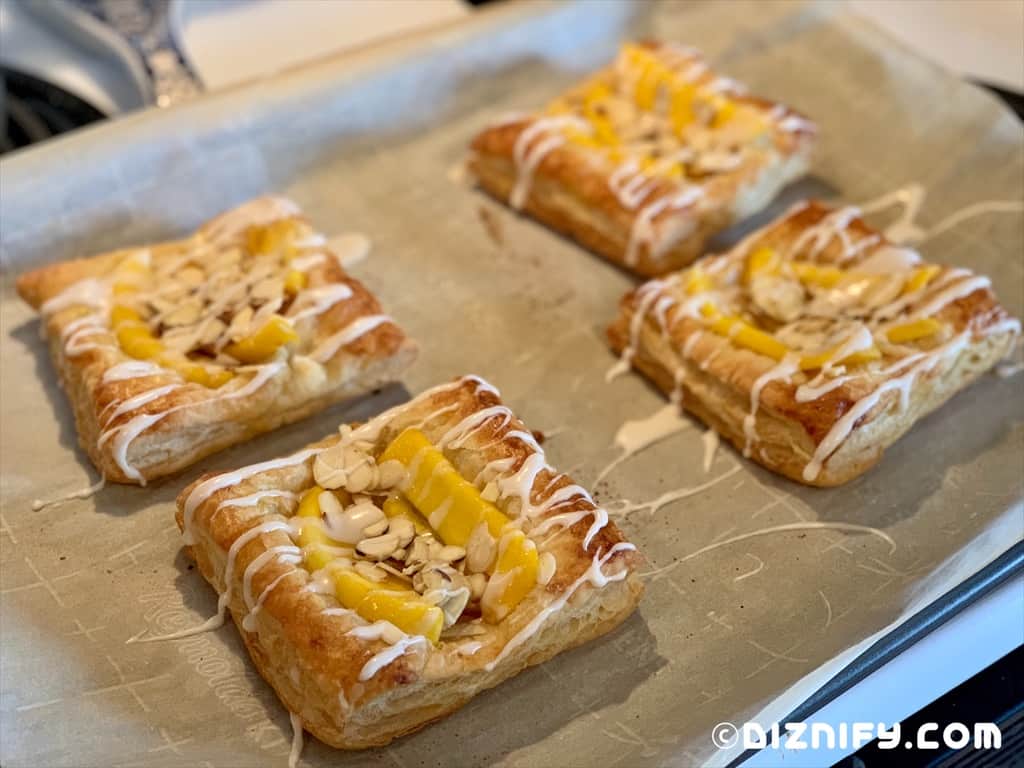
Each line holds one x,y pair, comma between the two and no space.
366,143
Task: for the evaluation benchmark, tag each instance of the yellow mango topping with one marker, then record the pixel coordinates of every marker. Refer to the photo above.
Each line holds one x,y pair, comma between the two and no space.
761,260
388,600
920,277
914,330
311,537
817,274
275,237
196,372
396,506
275,333
724,111
295,281
454,508
813,362
681,107
375,602
697,281
746,335
451,504
516,568
137,340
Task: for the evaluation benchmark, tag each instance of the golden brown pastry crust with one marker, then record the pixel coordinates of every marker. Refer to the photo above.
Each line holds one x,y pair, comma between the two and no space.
571,192
309,658
203,420
717,375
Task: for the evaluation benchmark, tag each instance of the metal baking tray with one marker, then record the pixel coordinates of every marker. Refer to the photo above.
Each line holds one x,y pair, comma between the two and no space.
770,609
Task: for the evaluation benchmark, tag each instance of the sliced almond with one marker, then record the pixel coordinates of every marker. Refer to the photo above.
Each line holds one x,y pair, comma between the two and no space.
378,528
370,571
191,276
185,314
480,549
403,529
546,566
378,547
240,323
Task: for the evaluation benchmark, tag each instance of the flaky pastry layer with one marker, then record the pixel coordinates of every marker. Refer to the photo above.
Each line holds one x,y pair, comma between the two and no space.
310,658
821,439
152,423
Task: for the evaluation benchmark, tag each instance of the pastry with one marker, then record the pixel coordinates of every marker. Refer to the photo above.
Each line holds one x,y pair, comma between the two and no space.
647,159
814,344
173,351
383,577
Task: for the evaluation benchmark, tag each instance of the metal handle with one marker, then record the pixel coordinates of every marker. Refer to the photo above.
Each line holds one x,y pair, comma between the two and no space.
145,25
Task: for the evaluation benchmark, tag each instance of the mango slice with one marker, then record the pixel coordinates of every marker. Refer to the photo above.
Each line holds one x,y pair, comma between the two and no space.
295,281
388,600
376,602
914,330
697,281
920,277
275,237
137,340
454,507
396,506
517,564
813,362
312,536
275,333
818,274
761,260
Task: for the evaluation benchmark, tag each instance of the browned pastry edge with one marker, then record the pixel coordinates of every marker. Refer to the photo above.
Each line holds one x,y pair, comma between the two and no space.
569,192
208,425
314,665
785,441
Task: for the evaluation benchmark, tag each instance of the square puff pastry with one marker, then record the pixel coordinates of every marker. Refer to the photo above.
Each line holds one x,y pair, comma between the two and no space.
174,351
353,677
814,344
647,159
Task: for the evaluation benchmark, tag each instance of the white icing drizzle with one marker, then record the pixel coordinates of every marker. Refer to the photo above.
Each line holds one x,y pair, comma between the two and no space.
134,402
207,488
842,428
231,224
224,601
648,293
785,368
350,249
398,643
470,648
644,233
249,622
126,433
636,435
316,301
593,575
296,750
672,496
354,330
528,153
83,493
815,525
90,292
131,369
286,553
710,440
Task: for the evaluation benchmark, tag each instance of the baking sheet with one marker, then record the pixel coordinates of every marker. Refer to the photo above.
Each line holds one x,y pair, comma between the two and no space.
367,142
